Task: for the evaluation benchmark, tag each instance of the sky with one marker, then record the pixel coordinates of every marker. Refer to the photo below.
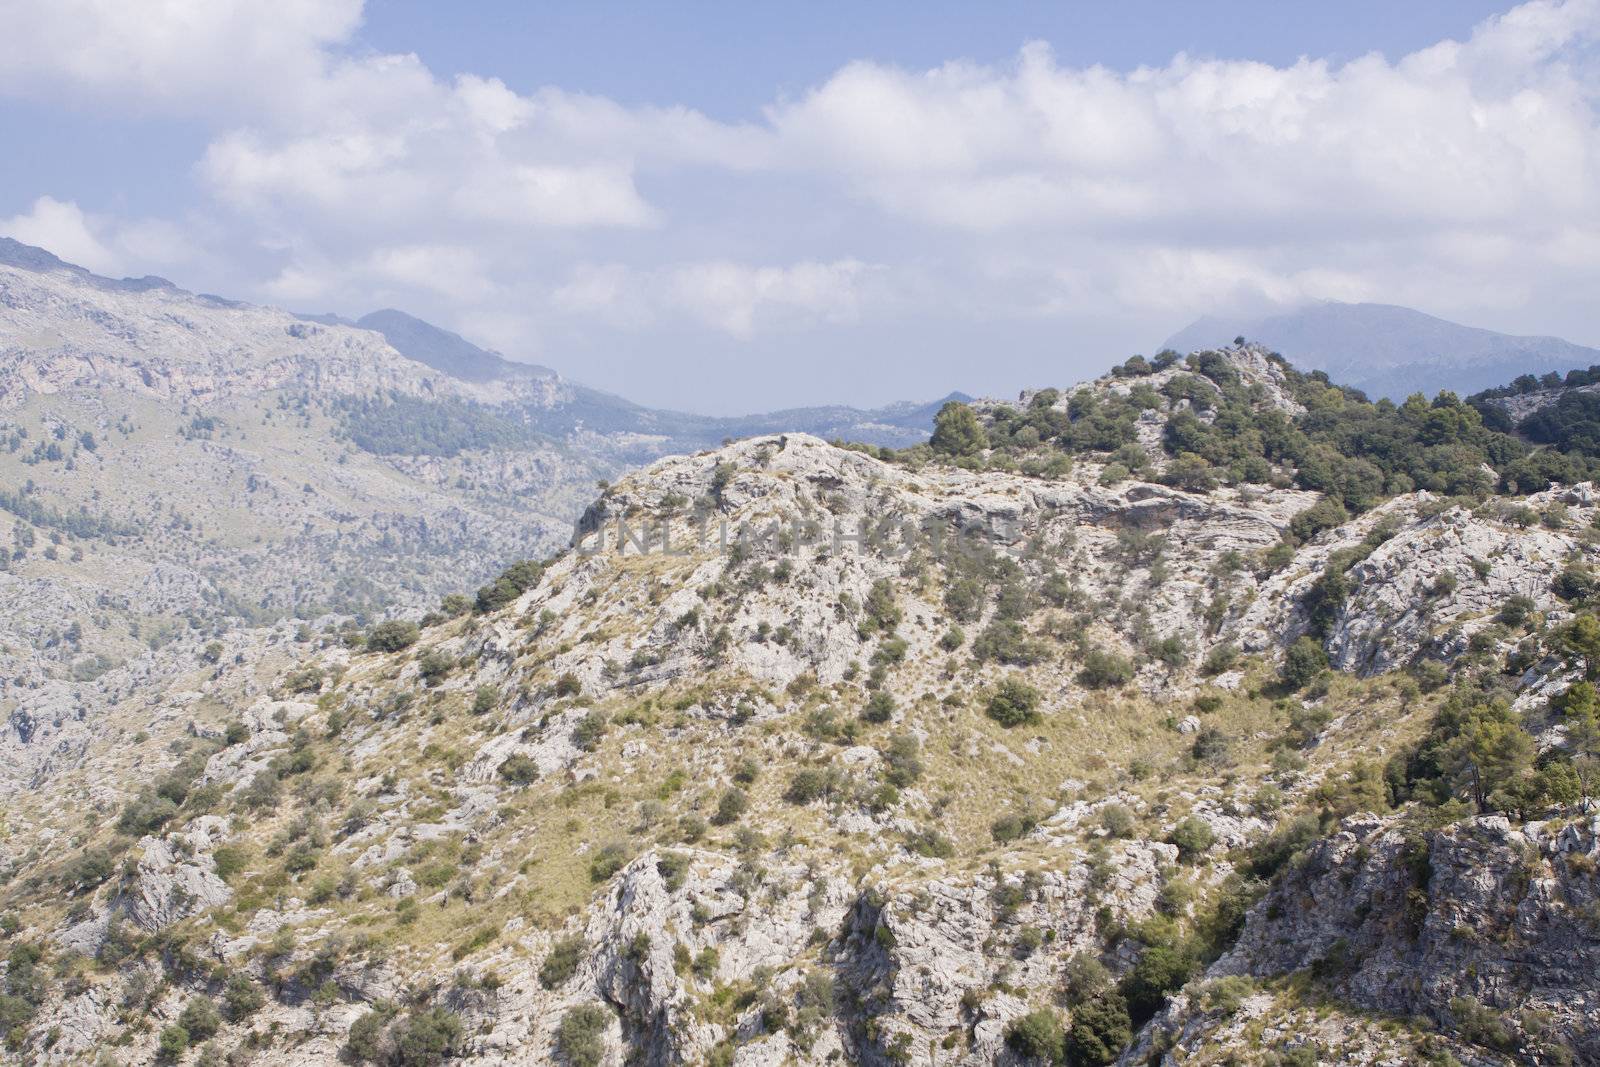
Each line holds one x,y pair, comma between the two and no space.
726,207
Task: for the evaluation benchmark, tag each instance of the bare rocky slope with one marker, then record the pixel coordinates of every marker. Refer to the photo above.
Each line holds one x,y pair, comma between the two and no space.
802,756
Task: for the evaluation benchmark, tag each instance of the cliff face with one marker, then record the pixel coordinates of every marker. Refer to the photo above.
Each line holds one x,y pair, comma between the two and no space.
1486,931
1481,927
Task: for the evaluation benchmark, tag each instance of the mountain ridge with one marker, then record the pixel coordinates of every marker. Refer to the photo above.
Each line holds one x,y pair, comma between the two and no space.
1391,351
553,404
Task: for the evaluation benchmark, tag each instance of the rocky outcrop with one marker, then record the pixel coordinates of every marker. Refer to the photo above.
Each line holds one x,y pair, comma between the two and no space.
1487,929
176,876
929,964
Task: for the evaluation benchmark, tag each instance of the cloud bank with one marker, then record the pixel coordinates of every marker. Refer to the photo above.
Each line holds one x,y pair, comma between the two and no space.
1031,199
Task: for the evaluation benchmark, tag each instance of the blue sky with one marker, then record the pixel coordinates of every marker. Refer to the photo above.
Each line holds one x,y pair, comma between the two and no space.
728,207
730,59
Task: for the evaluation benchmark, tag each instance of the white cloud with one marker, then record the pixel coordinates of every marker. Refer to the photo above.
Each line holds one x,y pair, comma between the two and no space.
452,272
62,228
192,57
101,243
1493,131
1461,177
546,195
736,298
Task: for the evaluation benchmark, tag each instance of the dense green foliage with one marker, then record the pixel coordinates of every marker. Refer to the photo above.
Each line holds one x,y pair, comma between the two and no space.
1528,383
1014,703
956,431
80,523
1571,424
580,1035
512,583
1221,429
561,962
1038,1035
392,636
411,426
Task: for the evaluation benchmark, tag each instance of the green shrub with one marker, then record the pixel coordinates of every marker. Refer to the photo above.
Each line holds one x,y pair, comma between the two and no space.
1014,703
241,997
393,635
512,583
172,1044
880,707
200,1019
674,869
608,861
1325,514
88,869
731,807
1105,670
365,1042
1118,819
883,614
1193,837
1007,641
957,432
145,813
519,770
1304,661
1011,827
931,843
1100,1029
434,666
1212,745
1161,969
1221,658
561,962
580,1037
591,729
1038,1035
428,1037
807,784
1278,847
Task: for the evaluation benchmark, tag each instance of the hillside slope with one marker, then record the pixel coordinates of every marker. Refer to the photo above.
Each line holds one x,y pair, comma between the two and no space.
936,761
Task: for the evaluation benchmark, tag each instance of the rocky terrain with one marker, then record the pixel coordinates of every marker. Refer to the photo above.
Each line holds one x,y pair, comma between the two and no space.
176,468
971,754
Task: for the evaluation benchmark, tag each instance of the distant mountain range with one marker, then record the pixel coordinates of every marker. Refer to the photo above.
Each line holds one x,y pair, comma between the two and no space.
578,407
436,347
1391,351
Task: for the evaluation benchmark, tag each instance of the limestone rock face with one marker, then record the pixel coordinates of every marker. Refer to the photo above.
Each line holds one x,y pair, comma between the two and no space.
1437,578
925,962
176,876
1478,917
1426,579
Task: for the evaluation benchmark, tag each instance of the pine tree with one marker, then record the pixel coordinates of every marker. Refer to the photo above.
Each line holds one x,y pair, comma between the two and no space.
957,432
1582,637
1490,754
